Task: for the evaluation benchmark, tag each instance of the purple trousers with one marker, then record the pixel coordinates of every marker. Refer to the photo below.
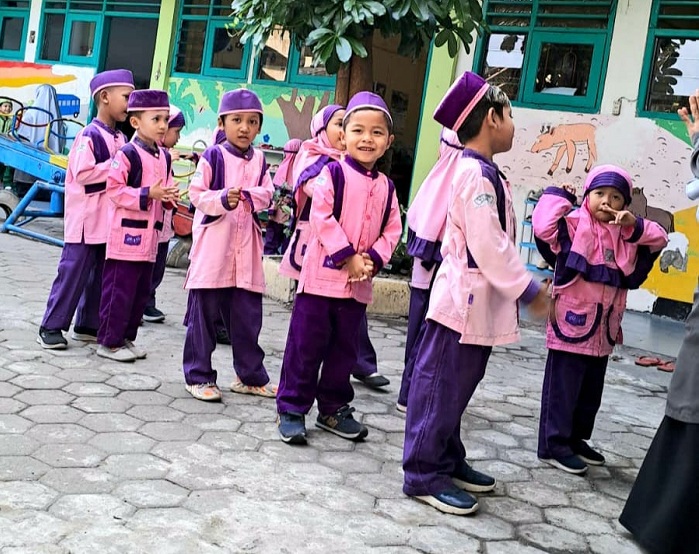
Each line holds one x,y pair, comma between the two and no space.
78,286
158,272
125,291
366,355
275,239
570,398
322,331
445,376
417,311
241,313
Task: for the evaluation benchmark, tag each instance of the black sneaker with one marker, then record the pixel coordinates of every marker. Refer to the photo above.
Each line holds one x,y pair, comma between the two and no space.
84,334
153,315
51,339
571,464
587,454
292,428
471,480
222,336
373,381
343,424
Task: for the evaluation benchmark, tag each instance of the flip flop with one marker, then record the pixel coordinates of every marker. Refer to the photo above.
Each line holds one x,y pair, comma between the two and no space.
667,367
648,361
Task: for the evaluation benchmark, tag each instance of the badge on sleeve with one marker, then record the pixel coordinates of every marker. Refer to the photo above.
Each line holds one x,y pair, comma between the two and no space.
484,199
115,163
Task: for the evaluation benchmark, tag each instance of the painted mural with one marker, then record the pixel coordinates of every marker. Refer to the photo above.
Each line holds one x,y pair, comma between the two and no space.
551,148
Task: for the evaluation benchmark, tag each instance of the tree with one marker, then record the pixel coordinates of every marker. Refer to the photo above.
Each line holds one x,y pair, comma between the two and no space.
339,32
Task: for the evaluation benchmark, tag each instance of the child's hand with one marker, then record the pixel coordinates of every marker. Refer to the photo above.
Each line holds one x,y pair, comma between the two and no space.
355,266
368,266
172,195
691,117
569,188
175,154
158,192
539,307
621,217
233,198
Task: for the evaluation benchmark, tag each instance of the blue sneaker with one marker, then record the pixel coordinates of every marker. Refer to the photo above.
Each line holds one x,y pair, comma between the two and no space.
570,464
343,424
451,501
471,480
292,428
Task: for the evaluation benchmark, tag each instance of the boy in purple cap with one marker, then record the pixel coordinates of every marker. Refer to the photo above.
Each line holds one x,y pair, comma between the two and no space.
78,284
473,304
140,188
355,225
225,277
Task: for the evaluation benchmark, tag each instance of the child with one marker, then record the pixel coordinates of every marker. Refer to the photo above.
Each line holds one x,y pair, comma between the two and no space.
602,250
355,225
175,125
6,116
427,219
78,284
473,304
141,189
225,277
276,240
663,507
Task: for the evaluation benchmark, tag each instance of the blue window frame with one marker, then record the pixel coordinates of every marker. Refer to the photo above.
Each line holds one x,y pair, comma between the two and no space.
14,18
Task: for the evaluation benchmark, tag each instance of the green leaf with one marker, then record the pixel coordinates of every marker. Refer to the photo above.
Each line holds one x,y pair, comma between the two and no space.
375,8
357,47
452,45
317,34
343,49
441,38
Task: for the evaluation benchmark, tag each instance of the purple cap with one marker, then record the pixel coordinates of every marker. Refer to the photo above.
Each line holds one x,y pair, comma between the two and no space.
240,100
460,100
176,119
610,176
367,101
322,118
111,78
148,99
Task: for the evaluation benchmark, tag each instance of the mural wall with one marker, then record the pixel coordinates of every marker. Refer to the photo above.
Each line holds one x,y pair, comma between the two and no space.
552,148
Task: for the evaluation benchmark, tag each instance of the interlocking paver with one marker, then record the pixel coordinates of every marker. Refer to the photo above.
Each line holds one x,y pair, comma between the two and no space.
60,433
52,413
69,455
110,423
154,493
122,442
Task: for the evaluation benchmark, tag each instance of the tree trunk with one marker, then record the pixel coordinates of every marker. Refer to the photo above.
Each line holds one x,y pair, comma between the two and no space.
355,76
342,85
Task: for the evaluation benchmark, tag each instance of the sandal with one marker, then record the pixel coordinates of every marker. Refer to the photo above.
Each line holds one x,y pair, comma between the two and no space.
266,391
648,361
207,392
667,367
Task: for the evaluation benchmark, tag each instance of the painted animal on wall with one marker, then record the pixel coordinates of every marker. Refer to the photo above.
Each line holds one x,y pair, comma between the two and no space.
639,206
566,137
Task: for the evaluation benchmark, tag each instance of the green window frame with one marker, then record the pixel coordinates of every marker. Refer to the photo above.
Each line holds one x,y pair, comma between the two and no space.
18,11
74,24
674,26
526,33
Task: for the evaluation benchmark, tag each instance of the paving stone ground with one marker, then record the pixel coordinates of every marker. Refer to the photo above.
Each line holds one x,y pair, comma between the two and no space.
98,456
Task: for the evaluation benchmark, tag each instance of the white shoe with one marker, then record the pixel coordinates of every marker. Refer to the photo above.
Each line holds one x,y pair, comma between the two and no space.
402,409
121,354
83,337
135,350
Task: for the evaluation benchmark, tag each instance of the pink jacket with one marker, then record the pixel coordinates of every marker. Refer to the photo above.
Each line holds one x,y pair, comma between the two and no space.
587,310
227,243
134,219
355,220
86,204
481,277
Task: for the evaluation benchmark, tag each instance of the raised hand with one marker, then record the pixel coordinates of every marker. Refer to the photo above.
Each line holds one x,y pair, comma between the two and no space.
691,117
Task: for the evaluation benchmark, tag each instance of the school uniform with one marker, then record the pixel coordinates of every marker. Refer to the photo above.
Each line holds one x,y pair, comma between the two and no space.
588,302
78,283
225,277
348,215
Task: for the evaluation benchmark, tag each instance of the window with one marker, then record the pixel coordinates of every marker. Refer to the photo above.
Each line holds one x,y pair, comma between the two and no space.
671,66
548,53
71,31
13,28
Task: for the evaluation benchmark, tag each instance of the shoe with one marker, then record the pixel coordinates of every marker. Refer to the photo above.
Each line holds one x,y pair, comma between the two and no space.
588,455
52,339
451,501
292,428
402,408
153,315
136,350
572,464
121,354
84,334
471,480
208,392
343,424
373,381
222,337
266,391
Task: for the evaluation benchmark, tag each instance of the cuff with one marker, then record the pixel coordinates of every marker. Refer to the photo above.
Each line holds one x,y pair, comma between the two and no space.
143,199
245,195
530,292
224,200
341,255
378,262
558,191
637,230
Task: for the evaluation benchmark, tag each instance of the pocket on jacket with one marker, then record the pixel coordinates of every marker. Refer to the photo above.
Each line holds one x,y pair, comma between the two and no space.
574,320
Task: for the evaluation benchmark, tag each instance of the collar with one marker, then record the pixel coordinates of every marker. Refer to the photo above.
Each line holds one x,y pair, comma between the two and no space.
102,125
237,152
359,168
153,151
468,153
